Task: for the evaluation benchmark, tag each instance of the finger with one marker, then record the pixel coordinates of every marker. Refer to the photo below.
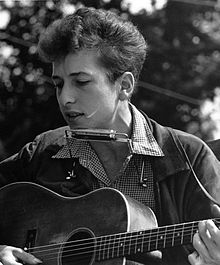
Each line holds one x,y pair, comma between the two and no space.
210,236
200,247
25,257
206,247
213,231
7,257
194,258
214,242
9,261
202,229
215,210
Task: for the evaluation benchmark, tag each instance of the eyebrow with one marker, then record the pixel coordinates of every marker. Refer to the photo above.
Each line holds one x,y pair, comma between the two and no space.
72,74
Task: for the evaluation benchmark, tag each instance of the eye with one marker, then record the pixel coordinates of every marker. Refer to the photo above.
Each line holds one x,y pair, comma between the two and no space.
82,82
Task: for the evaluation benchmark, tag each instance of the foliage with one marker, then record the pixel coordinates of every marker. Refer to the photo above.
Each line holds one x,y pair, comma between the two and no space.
183,58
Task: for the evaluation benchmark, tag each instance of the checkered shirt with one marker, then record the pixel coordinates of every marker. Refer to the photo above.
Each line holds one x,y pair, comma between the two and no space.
136,177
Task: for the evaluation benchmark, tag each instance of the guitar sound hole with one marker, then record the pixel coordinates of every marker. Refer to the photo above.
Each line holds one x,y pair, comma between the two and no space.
79,249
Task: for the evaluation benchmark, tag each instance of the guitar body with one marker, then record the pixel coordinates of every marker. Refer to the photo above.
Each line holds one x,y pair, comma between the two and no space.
38,219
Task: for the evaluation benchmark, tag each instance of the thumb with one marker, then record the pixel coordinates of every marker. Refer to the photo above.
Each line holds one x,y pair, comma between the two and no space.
215,210
193,258
25,257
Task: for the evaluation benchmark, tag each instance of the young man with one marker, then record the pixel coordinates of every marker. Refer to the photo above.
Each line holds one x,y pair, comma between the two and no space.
97,58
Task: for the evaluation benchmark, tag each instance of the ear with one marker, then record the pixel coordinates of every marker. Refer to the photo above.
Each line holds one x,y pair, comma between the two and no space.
126,86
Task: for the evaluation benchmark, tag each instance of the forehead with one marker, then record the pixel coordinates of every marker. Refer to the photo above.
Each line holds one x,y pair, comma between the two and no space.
83,61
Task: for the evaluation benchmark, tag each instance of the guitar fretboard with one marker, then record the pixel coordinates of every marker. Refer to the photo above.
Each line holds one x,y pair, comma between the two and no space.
124,244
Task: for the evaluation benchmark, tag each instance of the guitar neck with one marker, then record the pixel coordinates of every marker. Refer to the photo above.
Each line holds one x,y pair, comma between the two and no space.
125,244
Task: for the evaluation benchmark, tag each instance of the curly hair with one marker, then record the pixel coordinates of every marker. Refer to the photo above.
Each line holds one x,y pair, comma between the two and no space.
120,46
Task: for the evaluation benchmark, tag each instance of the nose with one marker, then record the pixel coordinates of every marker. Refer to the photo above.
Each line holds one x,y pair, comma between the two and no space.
67,95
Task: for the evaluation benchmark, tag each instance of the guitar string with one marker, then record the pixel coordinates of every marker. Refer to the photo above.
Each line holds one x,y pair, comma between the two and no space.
128,236
118,240
90,252
157,231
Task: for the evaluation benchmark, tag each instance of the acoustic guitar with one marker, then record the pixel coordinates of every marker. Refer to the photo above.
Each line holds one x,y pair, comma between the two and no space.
101,227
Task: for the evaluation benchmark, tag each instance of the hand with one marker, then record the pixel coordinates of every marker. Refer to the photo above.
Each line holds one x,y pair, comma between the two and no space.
16,256
207,245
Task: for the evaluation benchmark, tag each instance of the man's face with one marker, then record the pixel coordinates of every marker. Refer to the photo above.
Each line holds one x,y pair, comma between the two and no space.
86,97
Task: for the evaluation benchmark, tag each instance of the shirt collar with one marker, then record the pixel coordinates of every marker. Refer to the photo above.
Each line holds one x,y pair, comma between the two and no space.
142,141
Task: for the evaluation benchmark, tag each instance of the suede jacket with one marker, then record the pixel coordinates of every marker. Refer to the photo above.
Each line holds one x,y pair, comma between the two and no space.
179,198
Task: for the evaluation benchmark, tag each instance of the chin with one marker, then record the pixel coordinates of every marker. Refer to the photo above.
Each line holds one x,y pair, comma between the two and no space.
75,127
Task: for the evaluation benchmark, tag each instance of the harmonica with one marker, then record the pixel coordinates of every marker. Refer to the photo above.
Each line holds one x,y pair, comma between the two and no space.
97,135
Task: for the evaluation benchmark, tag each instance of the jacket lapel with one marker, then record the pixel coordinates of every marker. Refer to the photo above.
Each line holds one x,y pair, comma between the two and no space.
172,162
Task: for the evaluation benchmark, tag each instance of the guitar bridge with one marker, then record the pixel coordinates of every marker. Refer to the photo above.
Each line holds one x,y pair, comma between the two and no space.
30,240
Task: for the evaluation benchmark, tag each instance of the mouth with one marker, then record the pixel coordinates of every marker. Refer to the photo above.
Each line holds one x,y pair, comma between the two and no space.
72,116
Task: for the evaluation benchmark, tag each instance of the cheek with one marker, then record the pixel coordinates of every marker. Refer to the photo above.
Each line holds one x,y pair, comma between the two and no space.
90,99
101,99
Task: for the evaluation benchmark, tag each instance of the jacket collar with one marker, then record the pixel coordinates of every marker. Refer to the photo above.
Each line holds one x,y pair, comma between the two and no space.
172,162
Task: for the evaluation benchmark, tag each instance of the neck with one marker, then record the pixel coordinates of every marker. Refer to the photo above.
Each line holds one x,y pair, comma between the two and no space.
121,123
122,120
112,155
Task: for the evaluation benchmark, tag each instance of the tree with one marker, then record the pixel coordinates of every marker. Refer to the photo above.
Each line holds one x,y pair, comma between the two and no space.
183,60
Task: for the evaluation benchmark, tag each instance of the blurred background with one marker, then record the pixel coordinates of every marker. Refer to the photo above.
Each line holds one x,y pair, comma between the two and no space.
179,85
